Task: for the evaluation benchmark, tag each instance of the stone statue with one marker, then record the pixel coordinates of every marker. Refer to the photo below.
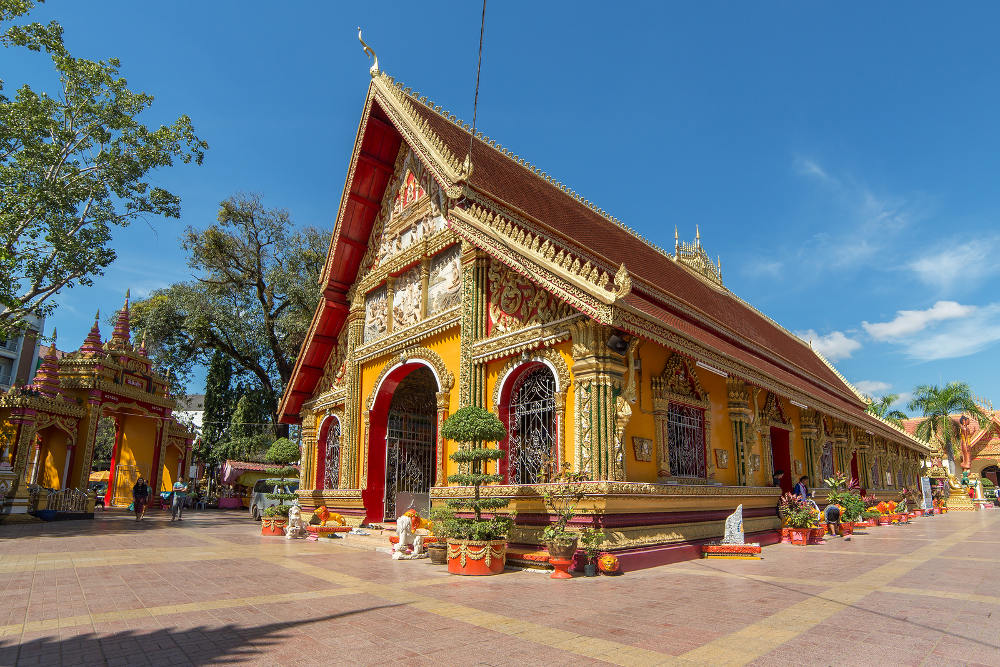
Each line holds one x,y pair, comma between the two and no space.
406,530
296,526
734,528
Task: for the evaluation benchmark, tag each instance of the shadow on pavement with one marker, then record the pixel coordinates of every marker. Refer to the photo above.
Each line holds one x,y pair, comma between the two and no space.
228,644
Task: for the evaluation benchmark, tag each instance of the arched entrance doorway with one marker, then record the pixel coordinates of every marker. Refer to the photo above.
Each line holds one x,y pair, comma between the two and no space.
402,443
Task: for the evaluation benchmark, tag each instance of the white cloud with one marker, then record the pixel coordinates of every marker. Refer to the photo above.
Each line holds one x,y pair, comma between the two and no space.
834,345
959,337
909,322
810,167
766,268
967,264
873,387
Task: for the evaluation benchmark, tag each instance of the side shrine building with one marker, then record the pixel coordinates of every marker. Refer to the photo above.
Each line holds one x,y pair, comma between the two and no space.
48,429
482,281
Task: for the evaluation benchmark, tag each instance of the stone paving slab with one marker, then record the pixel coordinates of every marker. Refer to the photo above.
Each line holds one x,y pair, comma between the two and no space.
211,590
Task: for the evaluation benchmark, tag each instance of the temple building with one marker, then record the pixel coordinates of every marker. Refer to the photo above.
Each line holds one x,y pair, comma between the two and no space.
459,277
976,446
48,429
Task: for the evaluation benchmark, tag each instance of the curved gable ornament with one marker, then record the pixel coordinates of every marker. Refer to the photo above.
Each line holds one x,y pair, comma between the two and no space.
430,358
678,382
548,356
772,413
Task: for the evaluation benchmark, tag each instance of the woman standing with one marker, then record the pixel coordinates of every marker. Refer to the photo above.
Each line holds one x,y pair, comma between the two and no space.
140,498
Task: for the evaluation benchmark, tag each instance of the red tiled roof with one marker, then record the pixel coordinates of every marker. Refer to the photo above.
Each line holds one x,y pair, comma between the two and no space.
504,180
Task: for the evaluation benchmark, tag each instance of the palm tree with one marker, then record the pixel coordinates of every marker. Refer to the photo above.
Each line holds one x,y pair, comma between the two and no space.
879,407
937,404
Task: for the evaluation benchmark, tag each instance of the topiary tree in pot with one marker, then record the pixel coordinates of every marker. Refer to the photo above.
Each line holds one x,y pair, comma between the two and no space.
476,545
283,452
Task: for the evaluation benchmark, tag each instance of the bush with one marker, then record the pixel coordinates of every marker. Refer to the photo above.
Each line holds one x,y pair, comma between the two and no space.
474,425
283,451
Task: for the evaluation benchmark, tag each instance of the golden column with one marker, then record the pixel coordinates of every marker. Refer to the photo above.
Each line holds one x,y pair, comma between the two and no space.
809,422
308,462
351,446
740,417
598,374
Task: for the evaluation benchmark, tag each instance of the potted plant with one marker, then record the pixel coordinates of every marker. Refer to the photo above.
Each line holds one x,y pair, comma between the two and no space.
800,518
442,519
846,494
561,500
283,452
477,545
591,540
788,504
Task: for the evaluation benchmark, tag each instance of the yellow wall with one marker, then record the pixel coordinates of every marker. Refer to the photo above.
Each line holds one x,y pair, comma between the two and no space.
136,449
168,468
52,458
446,345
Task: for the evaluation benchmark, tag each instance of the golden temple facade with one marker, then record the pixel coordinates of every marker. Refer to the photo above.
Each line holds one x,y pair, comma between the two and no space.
481,281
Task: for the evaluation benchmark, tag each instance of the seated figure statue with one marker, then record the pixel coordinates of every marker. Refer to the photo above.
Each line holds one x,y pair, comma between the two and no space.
406,530
296,526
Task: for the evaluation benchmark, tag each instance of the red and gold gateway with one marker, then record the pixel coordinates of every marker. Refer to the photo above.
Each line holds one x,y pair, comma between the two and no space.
47,430
457,279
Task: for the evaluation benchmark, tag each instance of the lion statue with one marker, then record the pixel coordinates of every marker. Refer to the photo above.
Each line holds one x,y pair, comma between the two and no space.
296,526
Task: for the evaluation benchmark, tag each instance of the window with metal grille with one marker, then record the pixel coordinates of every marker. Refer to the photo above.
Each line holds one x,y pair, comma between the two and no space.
531,428
686,439
826,461
331,479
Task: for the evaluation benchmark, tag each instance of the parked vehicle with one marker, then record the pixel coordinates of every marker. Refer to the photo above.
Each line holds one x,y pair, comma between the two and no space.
259,500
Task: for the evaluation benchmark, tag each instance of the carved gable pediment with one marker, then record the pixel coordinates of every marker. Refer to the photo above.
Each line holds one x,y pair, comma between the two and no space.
516,302
414,208
772,412
678,382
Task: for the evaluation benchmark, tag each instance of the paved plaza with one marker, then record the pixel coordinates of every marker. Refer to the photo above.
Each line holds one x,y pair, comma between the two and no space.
210,591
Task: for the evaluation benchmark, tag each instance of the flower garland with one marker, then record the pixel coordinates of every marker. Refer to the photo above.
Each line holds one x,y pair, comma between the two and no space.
485,551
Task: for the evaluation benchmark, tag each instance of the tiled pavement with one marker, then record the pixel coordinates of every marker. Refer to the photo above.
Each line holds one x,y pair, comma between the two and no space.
210,591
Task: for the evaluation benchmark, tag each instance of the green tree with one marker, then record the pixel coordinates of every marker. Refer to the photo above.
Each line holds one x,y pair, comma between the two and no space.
219,406
937,404
253,298
73,166
104,443
882,408
250,430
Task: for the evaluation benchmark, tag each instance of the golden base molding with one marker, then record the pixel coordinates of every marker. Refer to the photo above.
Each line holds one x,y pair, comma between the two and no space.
654,535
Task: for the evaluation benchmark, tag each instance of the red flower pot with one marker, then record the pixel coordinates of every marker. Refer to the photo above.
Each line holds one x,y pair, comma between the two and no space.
800,536
884,520
475,558
786,535
273,526
846,528
816,535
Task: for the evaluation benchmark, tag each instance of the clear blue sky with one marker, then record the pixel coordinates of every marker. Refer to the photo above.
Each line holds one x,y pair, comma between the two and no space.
842,159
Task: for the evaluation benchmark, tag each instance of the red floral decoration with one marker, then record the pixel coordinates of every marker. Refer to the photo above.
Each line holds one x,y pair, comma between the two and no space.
607,563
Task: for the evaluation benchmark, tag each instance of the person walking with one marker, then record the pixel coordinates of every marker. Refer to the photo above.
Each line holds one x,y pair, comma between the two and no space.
140,498
177,507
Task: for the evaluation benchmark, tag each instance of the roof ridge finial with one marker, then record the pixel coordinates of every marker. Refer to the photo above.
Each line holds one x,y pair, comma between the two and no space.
369,51
92,343
677,243
697,236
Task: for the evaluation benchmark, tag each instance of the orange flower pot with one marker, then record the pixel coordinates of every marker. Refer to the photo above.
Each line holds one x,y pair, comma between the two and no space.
800,536
475,558
846,528
273,526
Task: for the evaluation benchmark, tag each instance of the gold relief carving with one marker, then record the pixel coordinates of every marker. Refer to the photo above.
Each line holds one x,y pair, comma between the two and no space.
570,288
445,281
623,282
406,299
376,313
721,458
642,448
606,488
516,302
336,365
679,383
772,414
400,340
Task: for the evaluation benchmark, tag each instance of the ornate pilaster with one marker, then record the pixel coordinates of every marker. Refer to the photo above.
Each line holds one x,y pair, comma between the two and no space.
471,375
307,477
740,417
601,409
90,438
390,291
841,435
443,401
352,457
809,421
425,281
